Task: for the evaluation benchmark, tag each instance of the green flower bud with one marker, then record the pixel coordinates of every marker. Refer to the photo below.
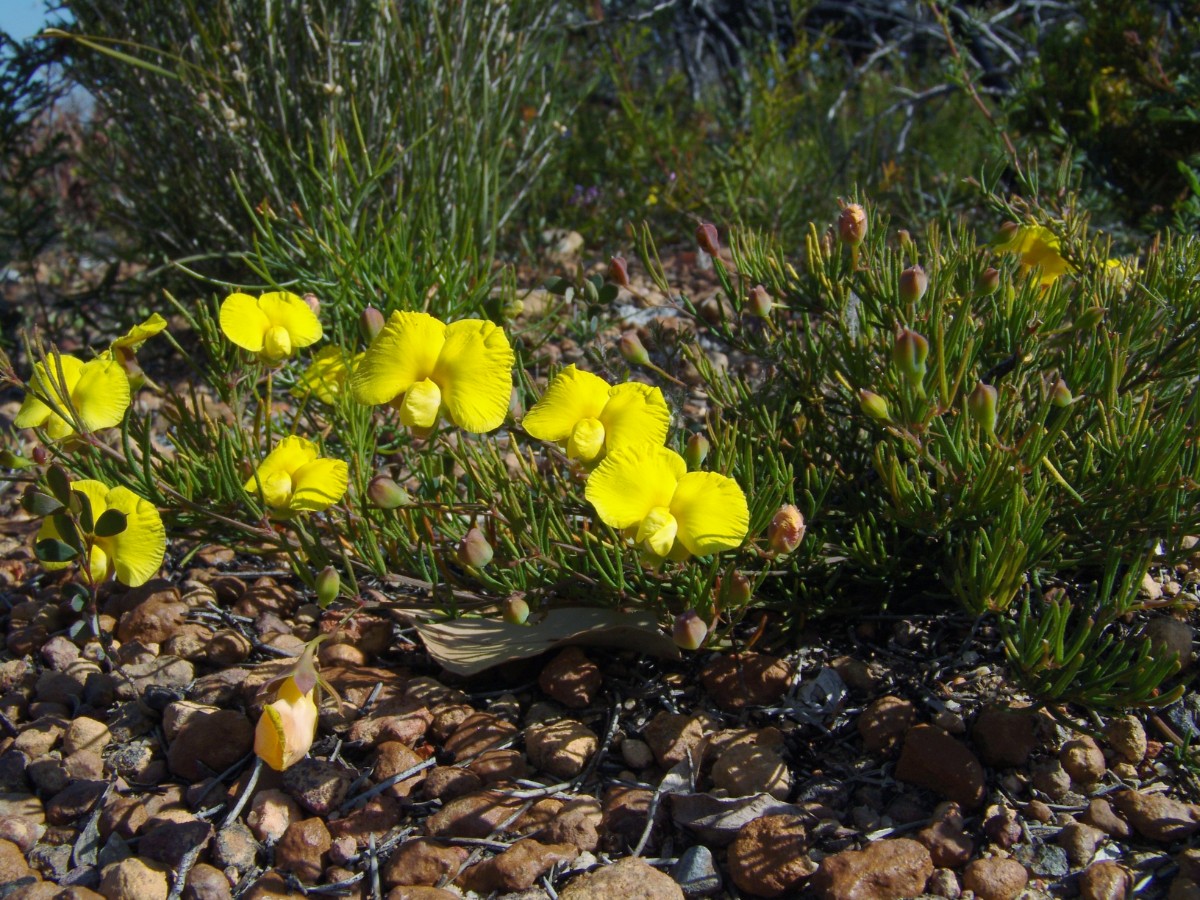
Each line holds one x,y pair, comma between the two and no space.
474,551
734,591
786,530
689,631
981,404
913,284
329,585
988,281
1090,318
1060,394
385,493
759,302
695,451
852,224
370,323
516,610
633,350
874,406
909,353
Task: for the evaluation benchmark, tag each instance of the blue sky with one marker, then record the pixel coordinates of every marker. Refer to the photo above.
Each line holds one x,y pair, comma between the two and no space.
22,18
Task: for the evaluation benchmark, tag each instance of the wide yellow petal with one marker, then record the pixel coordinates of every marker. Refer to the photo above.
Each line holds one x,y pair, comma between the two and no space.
632,481
272,480
101,395
319,484
269,738
137,552
572,396
290,312
96,492
243,322
474,371
635,414
46,383
139,334
405,352
32,414
712,513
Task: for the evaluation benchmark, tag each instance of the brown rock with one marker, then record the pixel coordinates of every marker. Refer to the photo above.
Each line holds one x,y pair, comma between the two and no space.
303,848
1083,760
1080,842
946,839
883,870
401,721
12,863
209,742
1100,814
933,759
560,748
479,732
1005,736
393,758
446,783
995,879
134,879
571,678
447,719
205,882
228,648
856,673
271,812
1105,880
155,612
769,856
673,736
1127,736
630,878
272,886
422,861
750,769
74,801
20,831
380,814
475,815
234,848
169,842
420,892
85,734
624,817
1157,817
518,867
576,824
318,785
884,723
1051,778
1171,636
738,680
499,765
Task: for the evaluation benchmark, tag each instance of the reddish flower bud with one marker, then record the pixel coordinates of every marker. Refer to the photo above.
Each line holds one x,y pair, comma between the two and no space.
1060,394
913,284
852,224
633,350
40,455
786,530
981,404
734,591
706,237
759,302
909,353
988,281
689,631
385,493
474,551
618,272
695,451
313,303
370,323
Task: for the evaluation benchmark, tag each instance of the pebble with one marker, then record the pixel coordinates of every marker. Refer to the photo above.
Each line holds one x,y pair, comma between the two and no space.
624,817
134,879
422,861
1105,880
769,856
169,673
271,812
1042,859
933,759
944,883
209,742
884,723
890,869
749,769
205,882
473,816
737,680
1083,760
479,732
673,737
74,801
993,878
561,748
636,754
303,848
152,613
1168,636
446,783
1156,816
855,673
21,831
13,866
517,868
1080,841
1005,736
1127,736
1099,814
393,758
380,814
628,878
234,848
577,823
571,678
493,766
169,842
696,872
1051,778
318,785
946,839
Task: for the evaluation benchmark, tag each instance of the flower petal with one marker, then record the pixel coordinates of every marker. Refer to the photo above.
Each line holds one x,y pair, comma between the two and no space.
269,738
325,376
243,322
45,381
319,484
102,394
573,395
290,312
474,371
137,552
139,334
712,513
635,414
96,492
632,481
405,352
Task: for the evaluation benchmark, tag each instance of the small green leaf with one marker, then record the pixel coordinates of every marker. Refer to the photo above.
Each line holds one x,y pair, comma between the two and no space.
54,551
86,519
557,285
68,531
76,627
608,293
60,483
38,504
10,460
78,603
111,523
76,591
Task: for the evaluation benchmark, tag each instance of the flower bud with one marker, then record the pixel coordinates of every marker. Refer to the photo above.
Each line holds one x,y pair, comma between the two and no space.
874,406
40,455
981,404
695,451
1090,318
786,530
759,302
689,631
633,350
706,237
370,323
852,225
515,610
913,284
385,493
474,551
618,272
909,353
988,281
734,591
906,241
1060,394
1006,235
329,585
313,302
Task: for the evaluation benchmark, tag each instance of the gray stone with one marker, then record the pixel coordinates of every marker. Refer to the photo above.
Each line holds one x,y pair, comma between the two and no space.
696,873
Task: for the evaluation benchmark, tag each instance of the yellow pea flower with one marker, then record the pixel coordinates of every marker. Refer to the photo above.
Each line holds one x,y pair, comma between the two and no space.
590,418
1038,248
288,724
325,378
425,368
295,478
136,554
272,326
670,512
97,390
124,349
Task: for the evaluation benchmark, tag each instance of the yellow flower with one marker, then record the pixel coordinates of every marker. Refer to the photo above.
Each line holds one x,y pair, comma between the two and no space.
294,478
97,390
124,349
272,327
1038,248
425,368
325,377
590,418
288,725
669,511
136,553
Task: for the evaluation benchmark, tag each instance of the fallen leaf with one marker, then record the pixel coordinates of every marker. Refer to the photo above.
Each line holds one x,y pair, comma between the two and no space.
470,646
